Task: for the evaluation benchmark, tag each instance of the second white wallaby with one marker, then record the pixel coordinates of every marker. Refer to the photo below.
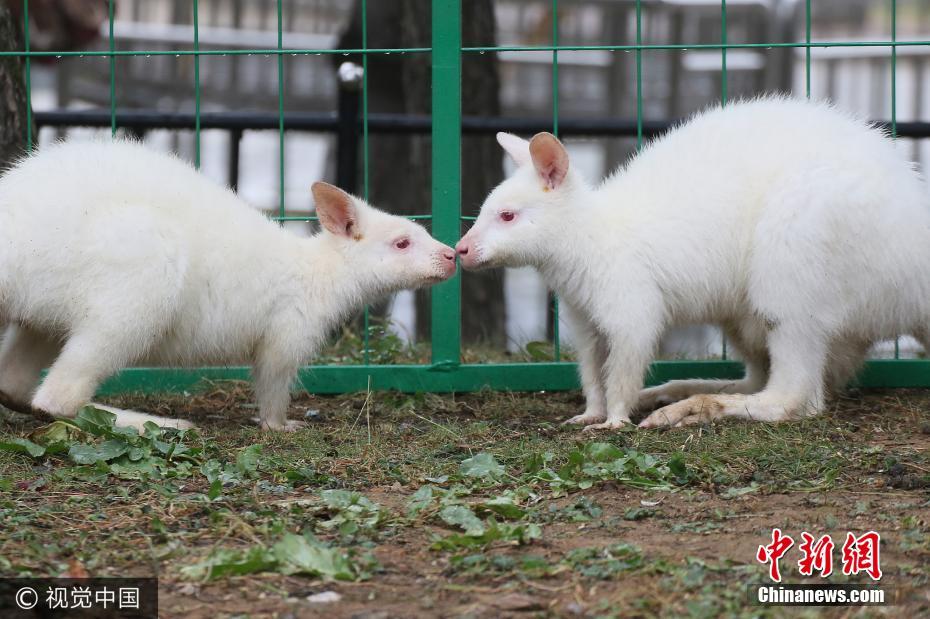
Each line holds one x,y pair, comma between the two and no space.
113,255
799,229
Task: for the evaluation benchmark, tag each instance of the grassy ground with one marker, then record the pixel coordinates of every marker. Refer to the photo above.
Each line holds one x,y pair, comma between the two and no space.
470,505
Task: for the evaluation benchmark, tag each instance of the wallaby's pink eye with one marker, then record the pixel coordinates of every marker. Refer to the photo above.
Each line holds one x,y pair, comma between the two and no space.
402,244
507,215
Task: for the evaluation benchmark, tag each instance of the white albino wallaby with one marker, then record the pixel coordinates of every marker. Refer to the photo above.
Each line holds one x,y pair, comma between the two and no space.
798,229
113,255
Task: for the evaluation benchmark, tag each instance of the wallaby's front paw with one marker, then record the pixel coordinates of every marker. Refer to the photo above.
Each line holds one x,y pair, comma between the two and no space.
288,426
587,418
610,424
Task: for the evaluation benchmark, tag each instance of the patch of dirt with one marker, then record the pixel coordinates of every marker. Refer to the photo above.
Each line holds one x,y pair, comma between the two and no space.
698,544
417,582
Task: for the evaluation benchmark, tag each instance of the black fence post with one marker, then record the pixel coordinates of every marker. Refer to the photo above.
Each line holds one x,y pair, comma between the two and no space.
235,143
350,82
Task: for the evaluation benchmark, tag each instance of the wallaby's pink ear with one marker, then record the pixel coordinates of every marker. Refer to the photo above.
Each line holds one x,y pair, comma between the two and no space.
336,210
516,147
549,158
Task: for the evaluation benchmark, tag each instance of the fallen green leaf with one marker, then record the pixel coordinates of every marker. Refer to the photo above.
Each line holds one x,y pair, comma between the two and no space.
22,446
461,516
482,466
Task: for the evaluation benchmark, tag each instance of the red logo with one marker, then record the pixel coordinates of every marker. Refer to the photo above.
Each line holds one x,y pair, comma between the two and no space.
860,554
773,552
817,556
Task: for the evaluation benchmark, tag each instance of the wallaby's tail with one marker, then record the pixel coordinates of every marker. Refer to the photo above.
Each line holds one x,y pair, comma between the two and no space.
925,342
124,418
133,419
8,402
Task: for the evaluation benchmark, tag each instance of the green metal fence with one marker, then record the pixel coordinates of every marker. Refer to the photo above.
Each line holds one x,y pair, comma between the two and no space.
446,372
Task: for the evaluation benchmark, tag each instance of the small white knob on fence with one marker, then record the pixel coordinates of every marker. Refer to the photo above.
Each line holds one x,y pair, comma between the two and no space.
350,75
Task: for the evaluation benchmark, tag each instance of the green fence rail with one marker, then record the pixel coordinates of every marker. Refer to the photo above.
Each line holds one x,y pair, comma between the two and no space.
446,372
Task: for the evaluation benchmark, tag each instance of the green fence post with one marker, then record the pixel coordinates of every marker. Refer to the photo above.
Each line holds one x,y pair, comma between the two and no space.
894,108
196,20
639,74
556,336
112,45
27,71
447,170
282,211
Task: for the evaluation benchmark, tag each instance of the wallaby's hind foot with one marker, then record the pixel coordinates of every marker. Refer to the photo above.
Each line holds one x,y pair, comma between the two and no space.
795,387
707,408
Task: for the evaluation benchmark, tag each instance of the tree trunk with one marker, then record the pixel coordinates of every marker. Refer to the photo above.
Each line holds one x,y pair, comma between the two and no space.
402,83
13,103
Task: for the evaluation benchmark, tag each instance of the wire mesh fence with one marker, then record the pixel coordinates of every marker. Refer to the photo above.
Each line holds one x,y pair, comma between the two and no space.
446,371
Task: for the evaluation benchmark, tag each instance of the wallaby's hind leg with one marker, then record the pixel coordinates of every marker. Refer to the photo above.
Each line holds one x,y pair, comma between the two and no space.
752,353
24,353
795,387
86,359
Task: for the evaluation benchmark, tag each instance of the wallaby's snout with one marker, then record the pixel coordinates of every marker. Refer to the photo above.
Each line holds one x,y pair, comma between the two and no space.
467,253
448,260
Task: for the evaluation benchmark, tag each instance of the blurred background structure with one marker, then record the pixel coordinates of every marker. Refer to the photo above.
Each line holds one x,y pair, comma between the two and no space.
240,98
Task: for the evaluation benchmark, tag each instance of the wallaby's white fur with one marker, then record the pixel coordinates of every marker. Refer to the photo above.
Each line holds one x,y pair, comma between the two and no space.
799,229
113,255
